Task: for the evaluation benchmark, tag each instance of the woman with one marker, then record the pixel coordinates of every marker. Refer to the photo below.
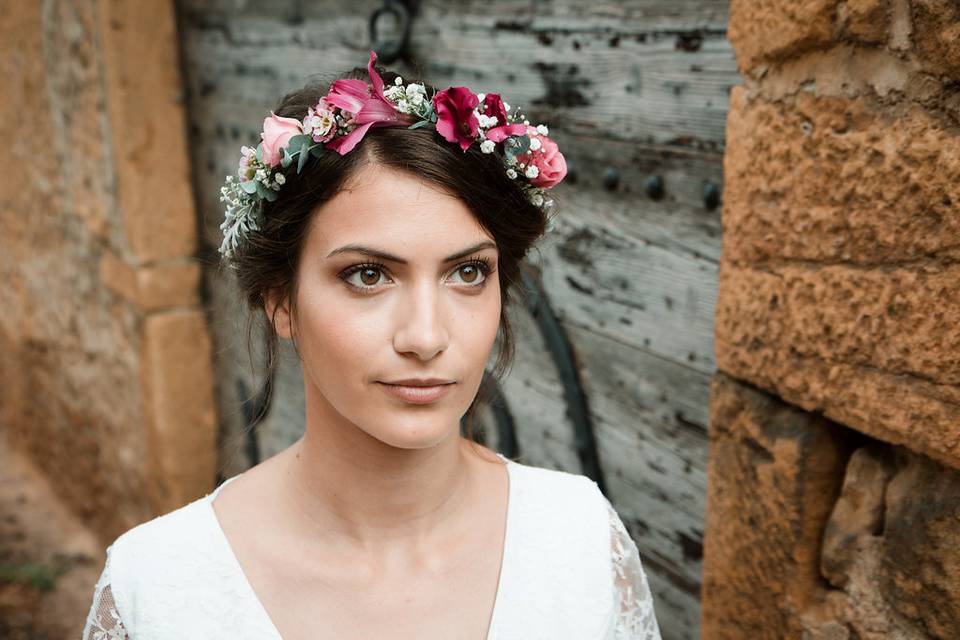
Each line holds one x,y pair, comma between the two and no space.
380,228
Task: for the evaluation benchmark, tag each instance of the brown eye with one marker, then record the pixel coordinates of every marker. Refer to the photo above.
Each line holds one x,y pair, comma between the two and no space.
369,276
470,273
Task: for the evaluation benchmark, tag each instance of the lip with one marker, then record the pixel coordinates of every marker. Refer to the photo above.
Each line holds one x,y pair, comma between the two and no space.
419,393
418,382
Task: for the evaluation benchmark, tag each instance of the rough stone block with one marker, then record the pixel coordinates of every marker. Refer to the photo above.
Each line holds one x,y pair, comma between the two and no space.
866,21
858,512
179,407
936,29
159,286
774,472
152,167
833,179
920,575
766,30
877,350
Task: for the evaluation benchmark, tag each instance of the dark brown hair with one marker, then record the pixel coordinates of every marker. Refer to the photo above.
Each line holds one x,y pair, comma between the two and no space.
267,260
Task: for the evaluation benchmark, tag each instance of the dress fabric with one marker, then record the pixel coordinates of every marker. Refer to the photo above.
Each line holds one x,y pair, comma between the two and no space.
570,570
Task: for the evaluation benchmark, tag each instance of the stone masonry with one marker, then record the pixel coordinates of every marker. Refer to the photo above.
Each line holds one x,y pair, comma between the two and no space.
107,415
838,306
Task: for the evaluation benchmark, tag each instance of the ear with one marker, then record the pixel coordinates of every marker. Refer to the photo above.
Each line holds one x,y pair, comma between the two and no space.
282,321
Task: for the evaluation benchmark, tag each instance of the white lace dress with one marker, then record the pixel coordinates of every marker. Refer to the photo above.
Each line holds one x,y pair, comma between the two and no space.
569,570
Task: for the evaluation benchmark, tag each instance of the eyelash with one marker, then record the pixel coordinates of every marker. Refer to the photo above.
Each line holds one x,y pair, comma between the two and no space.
482,263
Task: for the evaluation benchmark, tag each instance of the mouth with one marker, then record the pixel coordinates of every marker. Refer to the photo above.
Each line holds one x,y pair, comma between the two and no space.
419,393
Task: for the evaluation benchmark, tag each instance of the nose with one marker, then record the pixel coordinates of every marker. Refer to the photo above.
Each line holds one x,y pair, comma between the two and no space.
422,322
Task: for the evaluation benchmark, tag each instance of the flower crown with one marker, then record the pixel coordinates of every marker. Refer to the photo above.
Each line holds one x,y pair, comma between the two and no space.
351,107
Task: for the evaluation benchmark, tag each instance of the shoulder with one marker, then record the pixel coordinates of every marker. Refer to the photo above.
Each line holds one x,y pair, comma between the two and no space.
558,560
570,501
161,551
556,481
163,531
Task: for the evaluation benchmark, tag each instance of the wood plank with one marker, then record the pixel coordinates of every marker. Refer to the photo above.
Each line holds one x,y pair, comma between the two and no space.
641,89
640,15
602,272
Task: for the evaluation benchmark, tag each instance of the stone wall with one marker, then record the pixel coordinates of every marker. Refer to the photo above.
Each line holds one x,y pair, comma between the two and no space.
106,396
838,305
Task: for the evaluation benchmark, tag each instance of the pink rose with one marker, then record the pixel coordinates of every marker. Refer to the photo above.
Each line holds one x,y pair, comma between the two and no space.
456,120
277,132
548,160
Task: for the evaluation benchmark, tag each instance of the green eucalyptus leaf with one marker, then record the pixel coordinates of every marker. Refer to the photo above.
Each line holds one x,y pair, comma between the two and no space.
262,191
250,186
421,123
317,150
297,141
304,154
260,152
523,144
271,195
286,160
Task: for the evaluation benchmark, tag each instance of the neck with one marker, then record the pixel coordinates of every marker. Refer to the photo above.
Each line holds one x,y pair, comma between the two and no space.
348,485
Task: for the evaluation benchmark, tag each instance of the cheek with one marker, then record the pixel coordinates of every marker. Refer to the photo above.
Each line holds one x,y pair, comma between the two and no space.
334,337
478,330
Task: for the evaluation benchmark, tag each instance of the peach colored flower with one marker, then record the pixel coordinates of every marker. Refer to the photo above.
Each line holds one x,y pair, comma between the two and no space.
277,132
550,163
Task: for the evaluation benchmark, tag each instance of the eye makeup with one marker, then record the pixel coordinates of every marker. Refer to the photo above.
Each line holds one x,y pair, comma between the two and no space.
481,263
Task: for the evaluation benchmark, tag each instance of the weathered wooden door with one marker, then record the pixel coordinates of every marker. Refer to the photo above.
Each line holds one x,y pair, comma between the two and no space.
615,345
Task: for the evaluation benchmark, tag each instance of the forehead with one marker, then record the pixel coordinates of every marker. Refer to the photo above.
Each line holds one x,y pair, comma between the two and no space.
397,212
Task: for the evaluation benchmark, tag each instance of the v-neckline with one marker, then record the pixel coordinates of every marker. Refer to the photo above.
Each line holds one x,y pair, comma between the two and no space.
262,610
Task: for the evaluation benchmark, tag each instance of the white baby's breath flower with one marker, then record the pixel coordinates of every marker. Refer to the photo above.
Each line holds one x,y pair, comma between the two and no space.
487,146
536,199
534,144
532,171
527,122
542,129
511,174
481,96
398,81
506,106
280,178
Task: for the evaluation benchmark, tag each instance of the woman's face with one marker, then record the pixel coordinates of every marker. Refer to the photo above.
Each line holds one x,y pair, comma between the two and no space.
426,306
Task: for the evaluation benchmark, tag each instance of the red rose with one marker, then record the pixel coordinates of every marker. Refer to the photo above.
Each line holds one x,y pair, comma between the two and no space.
456,120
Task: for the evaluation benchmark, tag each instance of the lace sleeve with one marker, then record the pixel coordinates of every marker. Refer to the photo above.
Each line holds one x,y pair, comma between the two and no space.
633,602
103,621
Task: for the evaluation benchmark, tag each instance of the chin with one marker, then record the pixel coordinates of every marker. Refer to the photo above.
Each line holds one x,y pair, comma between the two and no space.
416,432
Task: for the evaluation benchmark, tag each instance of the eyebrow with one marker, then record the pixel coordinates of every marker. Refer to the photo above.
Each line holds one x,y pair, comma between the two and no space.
383,255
